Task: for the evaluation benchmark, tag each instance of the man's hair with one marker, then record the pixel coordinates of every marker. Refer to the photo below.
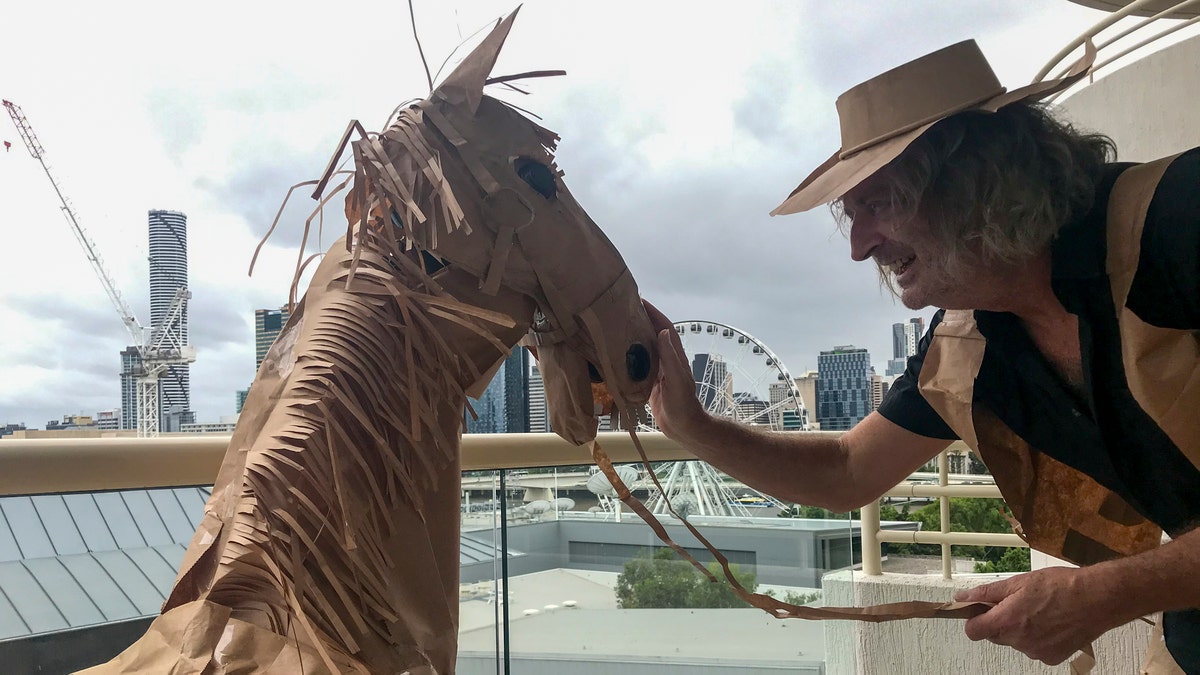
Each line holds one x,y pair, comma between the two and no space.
999,184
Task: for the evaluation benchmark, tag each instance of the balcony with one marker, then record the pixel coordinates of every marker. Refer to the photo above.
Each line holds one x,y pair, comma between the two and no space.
94,529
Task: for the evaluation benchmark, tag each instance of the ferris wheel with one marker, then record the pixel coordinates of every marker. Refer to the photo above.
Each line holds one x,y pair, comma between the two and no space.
739,377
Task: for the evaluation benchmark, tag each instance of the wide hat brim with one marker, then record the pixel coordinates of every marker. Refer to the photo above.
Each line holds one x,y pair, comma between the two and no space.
839,174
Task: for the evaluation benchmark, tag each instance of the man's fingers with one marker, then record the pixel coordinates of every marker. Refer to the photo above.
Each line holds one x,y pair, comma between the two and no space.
993,592
979,628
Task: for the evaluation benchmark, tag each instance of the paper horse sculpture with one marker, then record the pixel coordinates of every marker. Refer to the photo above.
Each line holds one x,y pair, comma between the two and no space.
330,543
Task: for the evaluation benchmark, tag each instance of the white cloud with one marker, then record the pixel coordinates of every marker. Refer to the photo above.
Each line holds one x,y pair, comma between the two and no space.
683,123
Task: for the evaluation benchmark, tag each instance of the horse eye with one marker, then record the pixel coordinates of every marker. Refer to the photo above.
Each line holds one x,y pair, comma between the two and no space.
537,176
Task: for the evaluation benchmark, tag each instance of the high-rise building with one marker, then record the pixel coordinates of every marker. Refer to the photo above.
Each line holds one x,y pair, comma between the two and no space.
267,324
714,386
843,387
750,409
905,338
879,388
782,403
240,400
807,384
169,274
504,405
539,414
131,360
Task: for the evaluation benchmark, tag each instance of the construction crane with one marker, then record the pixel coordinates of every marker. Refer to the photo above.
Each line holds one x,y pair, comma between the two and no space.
159,348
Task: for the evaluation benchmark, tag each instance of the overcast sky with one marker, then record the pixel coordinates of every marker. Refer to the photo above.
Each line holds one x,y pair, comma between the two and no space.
683,125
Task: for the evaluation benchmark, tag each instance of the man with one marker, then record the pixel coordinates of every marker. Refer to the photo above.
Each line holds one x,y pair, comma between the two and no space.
1065,353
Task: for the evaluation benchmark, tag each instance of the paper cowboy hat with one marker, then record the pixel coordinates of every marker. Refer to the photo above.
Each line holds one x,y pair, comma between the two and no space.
882,116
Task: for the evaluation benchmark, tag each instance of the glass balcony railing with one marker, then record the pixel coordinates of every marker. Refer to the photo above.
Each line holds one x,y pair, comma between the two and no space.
555,576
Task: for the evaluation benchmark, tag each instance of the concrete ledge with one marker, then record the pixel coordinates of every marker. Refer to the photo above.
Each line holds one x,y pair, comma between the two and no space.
939,645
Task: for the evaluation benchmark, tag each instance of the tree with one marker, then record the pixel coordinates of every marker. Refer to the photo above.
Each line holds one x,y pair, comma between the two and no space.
663,580
967,514
802,511
1013,560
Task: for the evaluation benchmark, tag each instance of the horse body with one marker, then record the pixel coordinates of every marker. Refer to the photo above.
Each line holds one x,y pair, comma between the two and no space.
330,542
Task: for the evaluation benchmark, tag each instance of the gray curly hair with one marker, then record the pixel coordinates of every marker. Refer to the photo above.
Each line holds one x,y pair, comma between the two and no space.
997,185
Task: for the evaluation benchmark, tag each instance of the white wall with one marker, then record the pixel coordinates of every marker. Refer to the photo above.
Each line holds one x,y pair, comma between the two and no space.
939,645
1148,107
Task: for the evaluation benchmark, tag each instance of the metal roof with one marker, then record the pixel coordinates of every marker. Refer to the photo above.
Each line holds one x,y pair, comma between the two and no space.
73,560
82,559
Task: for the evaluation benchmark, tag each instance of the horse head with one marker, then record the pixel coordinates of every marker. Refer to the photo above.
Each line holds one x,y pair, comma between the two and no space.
468,184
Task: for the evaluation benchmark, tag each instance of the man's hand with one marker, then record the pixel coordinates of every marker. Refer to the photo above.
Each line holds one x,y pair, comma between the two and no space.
1048,614
673,401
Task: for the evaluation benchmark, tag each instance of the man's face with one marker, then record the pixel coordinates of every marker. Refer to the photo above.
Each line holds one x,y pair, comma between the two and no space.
904,247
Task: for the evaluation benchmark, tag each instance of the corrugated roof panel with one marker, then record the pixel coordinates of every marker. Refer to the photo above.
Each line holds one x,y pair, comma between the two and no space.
60,526
65,592
85,511
11,623
160,572
149,522
173,554
100,587
146,597
8,544
180,525
120,521
193,500
30,599
27,527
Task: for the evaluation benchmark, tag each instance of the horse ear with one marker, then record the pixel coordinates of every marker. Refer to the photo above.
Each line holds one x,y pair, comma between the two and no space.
464,86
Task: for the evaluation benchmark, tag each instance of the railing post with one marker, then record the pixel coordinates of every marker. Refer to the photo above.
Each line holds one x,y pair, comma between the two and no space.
944,503
872,556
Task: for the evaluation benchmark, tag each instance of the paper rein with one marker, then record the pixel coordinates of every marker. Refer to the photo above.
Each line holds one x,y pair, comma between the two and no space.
775,607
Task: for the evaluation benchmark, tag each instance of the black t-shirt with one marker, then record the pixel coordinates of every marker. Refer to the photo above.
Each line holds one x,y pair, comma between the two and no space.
1102,432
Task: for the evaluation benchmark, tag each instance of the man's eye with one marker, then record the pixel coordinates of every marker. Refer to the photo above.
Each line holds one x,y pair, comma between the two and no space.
537,176
877,207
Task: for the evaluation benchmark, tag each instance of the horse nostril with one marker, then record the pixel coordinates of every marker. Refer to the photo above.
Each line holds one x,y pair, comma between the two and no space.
637,362
594,374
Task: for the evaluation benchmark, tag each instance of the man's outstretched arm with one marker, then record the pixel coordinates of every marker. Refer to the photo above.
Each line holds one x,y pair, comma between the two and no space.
837,473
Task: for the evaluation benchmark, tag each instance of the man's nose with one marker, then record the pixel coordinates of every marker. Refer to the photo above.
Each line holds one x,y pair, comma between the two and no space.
865,235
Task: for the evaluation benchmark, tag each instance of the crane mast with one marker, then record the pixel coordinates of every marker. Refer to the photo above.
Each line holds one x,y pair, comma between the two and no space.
158,349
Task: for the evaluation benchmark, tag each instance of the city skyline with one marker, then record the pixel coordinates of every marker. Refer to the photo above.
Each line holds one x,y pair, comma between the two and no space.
707,369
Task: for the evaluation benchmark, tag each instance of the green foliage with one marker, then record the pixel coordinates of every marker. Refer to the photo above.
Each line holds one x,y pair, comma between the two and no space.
967,514
794,598
1013,560
663,580
802,511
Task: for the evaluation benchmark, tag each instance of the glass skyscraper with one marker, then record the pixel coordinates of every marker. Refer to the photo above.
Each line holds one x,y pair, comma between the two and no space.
168,274
504,406
267,324
843,387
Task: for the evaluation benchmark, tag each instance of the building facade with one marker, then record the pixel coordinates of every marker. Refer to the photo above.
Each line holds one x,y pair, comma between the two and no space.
108,420
131,362
843,387
169,274
714,386
539,413
807,386
905,338
267,324
504,406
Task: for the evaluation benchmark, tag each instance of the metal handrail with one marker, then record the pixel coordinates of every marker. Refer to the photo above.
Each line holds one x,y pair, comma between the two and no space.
47,466
59,465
